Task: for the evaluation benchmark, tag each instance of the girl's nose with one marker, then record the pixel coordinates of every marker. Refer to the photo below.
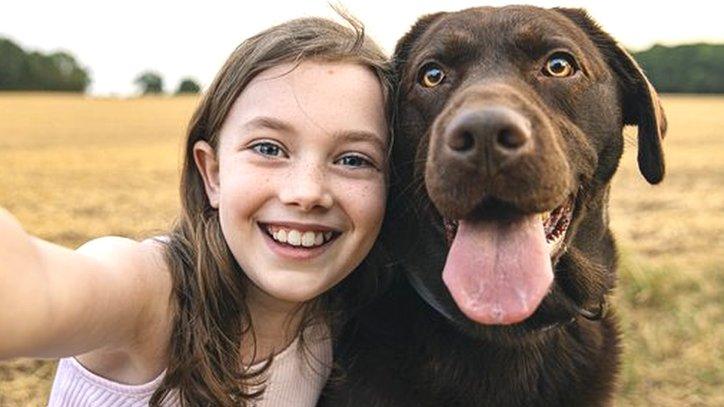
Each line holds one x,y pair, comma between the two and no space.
305,187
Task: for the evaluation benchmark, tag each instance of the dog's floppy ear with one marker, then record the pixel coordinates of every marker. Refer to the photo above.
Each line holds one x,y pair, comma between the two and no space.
641,105
402,49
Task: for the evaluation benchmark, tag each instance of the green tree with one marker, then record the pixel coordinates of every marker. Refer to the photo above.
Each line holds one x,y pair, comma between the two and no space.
691,68
149,82
21,70
70,76
12,65
188,85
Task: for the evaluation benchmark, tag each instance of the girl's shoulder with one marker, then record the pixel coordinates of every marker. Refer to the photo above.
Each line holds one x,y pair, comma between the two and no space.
143,262
145,255
144,269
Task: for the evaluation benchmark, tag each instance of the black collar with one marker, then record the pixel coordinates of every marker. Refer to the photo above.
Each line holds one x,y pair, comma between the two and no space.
591,315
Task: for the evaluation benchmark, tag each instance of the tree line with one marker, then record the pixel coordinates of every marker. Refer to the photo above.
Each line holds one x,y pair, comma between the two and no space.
691,68
57,71
22,70
151,82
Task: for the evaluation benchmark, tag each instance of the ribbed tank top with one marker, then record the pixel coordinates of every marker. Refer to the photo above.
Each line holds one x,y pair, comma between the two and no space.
295,379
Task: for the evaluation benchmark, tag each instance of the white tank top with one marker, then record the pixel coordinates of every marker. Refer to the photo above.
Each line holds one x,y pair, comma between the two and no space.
293,380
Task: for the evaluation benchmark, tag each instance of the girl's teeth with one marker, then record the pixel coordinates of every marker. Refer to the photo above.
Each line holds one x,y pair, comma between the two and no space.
308,239
294,238
297,238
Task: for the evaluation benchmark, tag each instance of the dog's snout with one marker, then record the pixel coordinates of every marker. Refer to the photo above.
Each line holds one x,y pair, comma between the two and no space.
495,142
502,131
512,138
461,139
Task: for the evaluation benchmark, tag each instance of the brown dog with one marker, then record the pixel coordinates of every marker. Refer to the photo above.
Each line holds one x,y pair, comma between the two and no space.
509,131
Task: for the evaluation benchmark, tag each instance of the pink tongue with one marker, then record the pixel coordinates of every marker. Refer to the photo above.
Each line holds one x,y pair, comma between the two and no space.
498,272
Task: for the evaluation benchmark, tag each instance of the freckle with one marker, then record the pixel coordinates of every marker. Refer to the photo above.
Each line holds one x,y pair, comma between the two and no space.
330,71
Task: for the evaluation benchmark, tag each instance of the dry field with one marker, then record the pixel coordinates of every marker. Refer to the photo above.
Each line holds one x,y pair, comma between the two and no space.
74,168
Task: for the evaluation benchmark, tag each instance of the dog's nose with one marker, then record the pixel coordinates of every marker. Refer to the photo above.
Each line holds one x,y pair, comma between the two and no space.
497,133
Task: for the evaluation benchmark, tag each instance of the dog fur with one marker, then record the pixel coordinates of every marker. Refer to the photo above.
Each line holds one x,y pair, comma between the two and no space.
413,346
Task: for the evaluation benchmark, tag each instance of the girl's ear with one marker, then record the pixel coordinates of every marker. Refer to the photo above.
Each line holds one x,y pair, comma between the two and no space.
208,166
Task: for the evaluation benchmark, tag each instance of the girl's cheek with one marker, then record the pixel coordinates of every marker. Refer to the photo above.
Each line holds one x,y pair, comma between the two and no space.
365,202
243,184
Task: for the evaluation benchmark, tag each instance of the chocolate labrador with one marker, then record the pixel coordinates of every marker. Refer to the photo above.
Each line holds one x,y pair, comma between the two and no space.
509,129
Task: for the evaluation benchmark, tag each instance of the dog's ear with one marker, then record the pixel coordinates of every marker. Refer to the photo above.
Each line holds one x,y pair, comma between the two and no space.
404,45
641,105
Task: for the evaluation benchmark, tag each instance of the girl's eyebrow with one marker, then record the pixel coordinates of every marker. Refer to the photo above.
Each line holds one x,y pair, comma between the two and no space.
360,135
266,122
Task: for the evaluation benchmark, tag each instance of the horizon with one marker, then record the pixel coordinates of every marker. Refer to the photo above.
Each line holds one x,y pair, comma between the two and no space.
179,41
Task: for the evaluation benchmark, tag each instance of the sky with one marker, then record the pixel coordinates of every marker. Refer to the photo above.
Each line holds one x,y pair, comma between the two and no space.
116,40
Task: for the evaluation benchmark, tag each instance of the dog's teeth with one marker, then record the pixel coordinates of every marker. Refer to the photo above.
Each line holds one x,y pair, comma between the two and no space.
318,239
327,235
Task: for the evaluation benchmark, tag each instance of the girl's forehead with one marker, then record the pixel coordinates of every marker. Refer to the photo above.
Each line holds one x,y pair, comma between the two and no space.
314,84
336,97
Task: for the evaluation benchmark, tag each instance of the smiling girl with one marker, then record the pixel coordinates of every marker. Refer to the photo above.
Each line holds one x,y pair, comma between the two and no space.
283,194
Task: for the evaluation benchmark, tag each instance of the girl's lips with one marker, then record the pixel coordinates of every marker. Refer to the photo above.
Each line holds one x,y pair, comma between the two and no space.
296,252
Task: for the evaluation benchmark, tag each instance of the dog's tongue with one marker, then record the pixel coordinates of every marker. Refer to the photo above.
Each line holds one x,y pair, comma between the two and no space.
499,271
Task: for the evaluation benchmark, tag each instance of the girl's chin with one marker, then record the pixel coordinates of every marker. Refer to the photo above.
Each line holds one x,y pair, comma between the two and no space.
292,286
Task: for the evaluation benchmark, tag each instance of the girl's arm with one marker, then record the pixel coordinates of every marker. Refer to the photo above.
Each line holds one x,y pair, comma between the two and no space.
58,302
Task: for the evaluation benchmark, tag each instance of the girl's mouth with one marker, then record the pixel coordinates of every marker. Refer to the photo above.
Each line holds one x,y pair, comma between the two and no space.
298,243
298,238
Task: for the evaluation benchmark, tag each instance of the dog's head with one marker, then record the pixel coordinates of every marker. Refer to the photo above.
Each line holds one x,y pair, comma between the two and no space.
509,130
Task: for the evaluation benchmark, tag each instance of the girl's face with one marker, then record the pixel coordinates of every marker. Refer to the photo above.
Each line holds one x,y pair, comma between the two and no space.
299,176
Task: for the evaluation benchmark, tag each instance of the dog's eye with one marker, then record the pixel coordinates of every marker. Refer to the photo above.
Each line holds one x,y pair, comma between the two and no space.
431,75
560,65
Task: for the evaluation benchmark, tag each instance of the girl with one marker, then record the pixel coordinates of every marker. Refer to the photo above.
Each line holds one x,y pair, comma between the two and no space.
283,193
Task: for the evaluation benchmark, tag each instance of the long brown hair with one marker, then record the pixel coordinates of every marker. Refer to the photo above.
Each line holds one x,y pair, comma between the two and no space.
210,315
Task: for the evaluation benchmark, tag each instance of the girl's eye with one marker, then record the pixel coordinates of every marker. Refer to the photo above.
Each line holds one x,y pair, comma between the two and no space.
355,161
268,149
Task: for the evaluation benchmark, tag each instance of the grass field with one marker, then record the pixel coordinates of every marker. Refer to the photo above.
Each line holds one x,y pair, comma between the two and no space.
75,168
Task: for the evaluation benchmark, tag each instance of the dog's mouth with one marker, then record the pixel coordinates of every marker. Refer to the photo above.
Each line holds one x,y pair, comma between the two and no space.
499,269
555,224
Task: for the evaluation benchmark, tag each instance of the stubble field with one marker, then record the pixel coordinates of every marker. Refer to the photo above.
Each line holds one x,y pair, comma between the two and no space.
74,168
